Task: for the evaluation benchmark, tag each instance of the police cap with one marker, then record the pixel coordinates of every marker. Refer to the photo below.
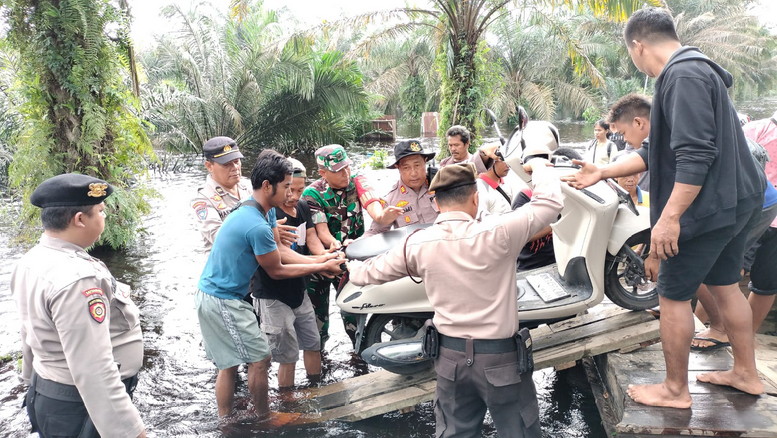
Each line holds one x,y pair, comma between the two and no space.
453,176
70,190
409,147
221,150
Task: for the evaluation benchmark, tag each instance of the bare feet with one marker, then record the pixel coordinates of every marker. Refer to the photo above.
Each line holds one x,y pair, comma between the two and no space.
659,395
750,385
699,342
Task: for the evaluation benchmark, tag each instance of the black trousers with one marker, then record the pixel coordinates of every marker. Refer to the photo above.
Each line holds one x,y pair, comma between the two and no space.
56,410
470,384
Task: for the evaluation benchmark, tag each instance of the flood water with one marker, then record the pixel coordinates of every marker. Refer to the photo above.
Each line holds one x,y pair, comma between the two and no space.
175,395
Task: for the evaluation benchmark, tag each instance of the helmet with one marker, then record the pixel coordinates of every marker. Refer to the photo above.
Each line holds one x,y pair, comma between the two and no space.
540,138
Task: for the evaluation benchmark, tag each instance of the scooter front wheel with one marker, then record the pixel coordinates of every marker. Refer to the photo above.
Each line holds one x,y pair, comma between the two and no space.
385,328
625,282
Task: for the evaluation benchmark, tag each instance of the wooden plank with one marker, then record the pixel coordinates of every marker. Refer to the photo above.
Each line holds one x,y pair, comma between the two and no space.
378,389
594,314
717,410
388,402
766,357
615,322
358,388
382,392
716,414
603,343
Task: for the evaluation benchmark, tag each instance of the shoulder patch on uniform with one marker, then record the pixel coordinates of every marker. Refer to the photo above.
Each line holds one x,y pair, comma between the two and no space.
93,291
201,209
97,309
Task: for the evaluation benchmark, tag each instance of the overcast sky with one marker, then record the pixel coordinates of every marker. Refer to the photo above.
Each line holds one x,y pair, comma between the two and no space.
147,20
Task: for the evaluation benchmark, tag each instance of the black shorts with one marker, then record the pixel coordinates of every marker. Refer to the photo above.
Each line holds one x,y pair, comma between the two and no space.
714,258
763,275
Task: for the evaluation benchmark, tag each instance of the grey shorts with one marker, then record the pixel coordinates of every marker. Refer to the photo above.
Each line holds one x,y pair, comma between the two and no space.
289,330
230,332
714,258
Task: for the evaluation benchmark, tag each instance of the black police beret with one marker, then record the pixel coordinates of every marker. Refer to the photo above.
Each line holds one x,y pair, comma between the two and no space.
453,176
221,150
70,190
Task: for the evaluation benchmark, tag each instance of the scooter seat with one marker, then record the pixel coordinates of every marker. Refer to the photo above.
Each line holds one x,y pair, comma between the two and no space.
367,247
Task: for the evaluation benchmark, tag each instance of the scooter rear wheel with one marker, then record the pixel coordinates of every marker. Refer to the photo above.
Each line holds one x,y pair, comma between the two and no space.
625,281
385,328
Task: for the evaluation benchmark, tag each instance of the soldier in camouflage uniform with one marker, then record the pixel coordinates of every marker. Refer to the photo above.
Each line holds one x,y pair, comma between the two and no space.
337,201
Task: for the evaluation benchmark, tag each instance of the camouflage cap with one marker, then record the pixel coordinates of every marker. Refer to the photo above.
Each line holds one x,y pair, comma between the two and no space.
332,158
453,176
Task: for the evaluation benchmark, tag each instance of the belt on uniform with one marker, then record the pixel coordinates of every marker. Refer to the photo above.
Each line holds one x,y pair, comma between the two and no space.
481,346
69,393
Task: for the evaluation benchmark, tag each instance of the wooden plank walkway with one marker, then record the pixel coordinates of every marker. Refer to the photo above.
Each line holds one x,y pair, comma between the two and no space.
716,411
607,328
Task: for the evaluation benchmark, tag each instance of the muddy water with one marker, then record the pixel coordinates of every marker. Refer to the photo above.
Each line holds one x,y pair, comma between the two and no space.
176,391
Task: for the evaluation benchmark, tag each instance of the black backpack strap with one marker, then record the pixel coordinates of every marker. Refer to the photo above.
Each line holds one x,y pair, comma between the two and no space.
509,201
251,203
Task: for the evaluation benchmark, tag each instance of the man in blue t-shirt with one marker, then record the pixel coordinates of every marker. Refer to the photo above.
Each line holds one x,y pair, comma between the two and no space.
247,239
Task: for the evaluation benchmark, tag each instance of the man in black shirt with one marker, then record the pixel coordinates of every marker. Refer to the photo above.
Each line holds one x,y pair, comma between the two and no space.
287,315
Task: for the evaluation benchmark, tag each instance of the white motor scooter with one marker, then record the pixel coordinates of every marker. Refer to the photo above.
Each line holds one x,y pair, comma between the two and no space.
600,242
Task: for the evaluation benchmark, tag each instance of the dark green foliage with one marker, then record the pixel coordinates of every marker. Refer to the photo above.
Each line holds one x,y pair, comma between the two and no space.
78,114
250,81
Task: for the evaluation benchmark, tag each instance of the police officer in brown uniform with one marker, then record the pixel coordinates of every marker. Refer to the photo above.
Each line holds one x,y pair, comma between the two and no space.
411,191
468,268
223,187
81,340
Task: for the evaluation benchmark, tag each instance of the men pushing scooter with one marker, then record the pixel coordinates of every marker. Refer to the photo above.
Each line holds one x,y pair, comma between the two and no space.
697,152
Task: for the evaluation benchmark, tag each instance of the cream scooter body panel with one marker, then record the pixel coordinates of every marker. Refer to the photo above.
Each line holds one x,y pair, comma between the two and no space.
404,296
626,225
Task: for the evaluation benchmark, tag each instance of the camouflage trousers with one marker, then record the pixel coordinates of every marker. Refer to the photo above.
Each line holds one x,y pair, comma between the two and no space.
318,289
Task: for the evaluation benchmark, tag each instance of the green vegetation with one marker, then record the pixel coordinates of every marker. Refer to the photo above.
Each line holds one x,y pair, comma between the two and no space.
248,80
77,113
378,159
71,85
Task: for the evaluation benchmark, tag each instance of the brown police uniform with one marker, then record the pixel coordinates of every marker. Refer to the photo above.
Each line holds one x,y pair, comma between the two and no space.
468,268
82,344
419,208
212,205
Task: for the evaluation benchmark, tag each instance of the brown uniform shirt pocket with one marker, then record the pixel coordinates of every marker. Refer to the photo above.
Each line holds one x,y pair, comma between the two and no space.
124,313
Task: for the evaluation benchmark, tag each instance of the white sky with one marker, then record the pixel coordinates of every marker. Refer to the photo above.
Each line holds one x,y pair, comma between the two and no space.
148,22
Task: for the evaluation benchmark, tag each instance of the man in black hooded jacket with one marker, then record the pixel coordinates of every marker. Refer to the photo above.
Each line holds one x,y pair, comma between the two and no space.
704,190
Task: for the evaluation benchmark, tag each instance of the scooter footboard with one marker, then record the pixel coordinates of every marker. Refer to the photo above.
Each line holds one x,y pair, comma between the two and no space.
538,301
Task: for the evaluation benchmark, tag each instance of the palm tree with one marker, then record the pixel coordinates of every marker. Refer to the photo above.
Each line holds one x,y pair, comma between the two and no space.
218,77
725,32
532,74
401,76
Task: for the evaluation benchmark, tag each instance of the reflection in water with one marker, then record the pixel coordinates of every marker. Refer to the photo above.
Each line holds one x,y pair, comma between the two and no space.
176,391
